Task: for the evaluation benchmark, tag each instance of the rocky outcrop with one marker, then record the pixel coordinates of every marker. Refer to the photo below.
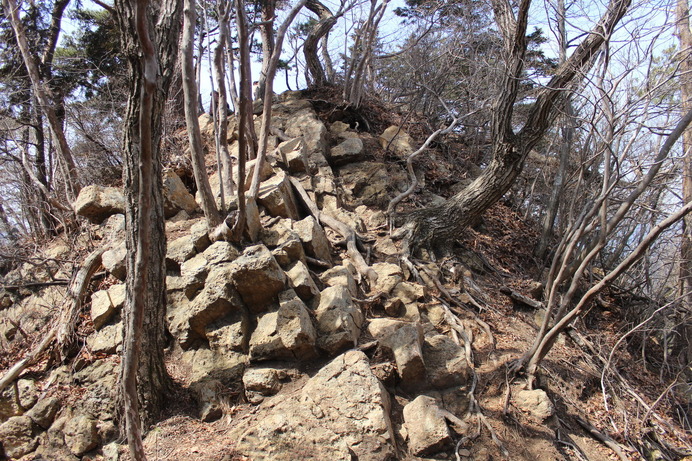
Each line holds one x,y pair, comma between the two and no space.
341,413
96,203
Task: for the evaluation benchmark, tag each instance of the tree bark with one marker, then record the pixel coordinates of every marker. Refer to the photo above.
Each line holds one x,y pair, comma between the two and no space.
268,45
190,91
326,21
431,226
685,277
151,54
226,174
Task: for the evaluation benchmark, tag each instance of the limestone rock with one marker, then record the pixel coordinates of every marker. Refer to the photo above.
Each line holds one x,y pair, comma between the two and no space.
96,203
206,364
397,140
276,195
301,281
81,435
535,402
193,274
348,151
338,127
284,243
306,124
17,436
217,299
28,395
340,276
113,228
340,414
105,303
427,430
108,340
231,333
338,320
445,362
366,183
200,235
405,343
113,261
294,155
286,333
260,383
208,397
43,413
313,237
257,277
221,252
180,250
176,197
389,276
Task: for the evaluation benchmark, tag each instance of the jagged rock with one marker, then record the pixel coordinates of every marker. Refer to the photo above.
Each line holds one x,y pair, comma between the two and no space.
365,183
113,261
217,299
43,413
409,292
534,402
445,362
221,252
389,276
306,124
81,435
260,383
324,183
394,307
301,281
276,195
52,442
113,228
200,235
285,244
206,364
108,340
10,406
338,127
397,140
105,303
231,333
313,237
180,216
294,155
207,393
96,203
427,430
387,248
180,250
338,320
17,436
340,276
404,339
455,400
257,277
348,151
286,333
193,274
176,197
340,414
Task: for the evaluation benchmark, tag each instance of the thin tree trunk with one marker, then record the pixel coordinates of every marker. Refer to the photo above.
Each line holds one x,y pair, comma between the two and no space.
226,173
191,117
151,61
268,45
326,22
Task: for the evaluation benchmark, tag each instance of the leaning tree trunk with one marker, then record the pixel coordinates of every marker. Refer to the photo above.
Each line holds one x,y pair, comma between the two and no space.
211,213
151,58
320,30
429,227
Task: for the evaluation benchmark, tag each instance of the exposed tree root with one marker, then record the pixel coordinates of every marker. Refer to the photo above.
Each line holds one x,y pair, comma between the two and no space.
346,232
603,438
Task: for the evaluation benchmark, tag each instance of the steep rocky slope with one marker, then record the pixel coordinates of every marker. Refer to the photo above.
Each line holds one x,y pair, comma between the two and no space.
283,350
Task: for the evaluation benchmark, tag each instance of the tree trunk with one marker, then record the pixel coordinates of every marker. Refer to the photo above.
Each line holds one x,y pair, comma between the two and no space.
43,94
151,61
226,173
191,117
443,223
327,20
685,277
268,45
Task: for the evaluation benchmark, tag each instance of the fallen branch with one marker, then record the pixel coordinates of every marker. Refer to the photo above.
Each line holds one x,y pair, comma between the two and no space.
518,297
603,438
346,232
14,372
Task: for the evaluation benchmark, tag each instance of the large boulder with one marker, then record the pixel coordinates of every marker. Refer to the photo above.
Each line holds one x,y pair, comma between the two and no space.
105,303
294,155
17,436
176,197
348,151
81,434
306,124
96,203
340,414
206,364
338,320
426,427
257,277
313,237
397,140
276,196
445,362
285,334
301,281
